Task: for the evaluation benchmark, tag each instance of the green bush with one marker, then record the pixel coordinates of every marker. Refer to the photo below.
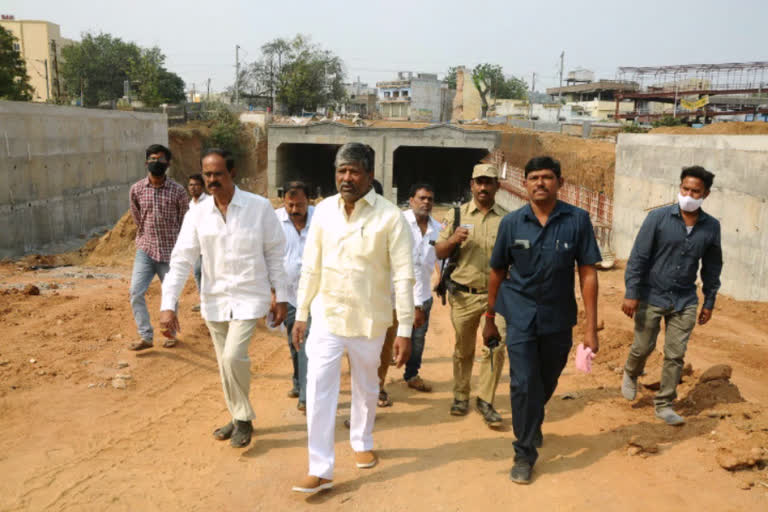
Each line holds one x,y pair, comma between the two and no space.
668,121
634,128
226,130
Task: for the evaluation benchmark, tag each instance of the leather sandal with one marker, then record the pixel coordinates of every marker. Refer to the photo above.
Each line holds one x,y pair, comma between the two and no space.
384,400
418,384
140,345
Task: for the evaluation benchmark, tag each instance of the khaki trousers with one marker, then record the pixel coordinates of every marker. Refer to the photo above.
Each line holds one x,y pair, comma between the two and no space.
386,350
678,328
467,311
231,340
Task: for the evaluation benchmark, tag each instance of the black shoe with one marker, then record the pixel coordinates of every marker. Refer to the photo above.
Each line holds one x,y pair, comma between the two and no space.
242,435
490,416
521,473
538,438
225,432
459,407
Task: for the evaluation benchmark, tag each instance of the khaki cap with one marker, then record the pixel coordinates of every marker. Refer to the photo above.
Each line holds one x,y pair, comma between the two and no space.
485,170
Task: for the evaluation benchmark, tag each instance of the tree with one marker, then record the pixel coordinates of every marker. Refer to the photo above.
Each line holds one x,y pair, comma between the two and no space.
99,65
491,83
450,77
296,73
14,81
155,84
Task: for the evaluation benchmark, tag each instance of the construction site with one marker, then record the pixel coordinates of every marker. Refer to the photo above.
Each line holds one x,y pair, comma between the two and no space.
88,424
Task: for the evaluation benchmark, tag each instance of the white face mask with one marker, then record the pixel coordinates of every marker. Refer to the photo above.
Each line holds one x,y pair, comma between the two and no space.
689,204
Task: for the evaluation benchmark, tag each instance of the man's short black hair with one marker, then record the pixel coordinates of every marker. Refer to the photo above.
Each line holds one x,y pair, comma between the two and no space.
697,171
418,186
540,163
196,177
293,186
158,148
223,153
377,187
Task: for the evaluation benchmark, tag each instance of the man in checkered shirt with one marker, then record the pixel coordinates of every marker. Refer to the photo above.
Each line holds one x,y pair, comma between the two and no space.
158,205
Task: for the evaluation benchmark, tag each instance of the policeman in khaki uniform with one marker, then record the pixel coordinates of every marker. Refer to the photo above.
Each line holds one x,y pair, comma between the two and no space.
476,235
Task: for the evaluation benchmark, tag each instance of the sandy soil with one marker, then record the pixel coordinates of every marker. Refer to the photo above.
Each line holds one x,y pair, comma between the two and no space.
72,441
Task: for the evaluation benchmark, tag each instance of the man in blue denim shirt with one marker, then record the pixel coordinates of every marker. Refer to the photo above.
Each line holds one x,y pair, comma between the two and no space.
532,286
661,283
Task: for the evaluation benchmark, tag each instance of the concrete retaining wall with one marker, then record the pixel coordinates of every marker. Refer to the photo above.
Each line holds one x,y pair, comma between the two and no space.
648,175
66,171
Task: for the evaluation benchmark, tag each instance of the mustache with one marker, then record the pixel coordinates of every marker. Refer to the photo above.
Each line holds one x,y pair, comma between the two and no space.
214,184
297,214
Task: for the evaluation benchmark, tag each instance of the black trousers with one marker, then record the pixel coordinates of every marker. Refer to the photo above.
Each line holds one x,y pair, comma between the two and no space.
535,365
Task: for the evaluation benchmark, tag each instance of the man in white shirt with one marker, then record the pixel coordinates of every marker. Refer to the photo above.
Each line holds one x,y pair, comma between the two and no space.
425,231
196,189
295,217
358,246
242,245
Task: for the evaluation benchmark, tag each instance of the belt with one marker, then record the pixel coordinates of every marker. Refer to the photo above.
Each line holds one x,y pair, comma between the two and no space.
467,289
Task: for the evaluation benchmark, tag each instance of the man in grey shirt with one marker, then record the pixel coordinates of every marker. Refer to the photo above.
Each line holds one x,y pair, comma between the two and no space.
661,283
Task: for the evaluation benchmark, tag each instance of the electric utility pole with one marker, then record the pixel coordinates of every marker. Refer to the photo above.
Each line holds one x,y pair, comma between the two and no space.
560,90
530,97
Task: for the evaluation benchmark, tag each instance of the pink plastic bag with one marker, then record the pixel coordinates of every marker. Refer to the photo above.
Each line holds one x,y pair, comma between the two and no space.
584,358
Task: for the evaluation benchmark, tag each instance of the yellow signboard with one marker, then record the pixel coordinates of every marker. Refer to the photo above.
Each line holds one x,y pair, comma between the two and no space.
695,105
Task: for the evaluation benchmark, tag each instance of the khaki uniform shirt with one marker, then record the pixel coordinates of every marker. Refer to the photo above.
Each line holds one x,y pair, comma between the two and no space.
473,267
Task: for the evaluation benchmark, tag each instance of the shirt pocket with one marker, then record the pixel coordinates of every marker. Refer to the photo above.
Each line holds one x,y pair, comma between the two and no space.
522,259
565,251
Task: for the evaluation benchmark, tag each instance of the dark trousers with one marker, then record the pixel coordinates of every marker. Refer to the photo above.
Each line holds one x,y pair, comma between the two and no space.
535,364
298,357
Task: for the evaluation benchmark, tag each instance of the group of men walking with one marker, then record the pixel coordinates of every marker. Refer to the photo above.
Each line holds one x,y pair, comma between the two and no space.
343,273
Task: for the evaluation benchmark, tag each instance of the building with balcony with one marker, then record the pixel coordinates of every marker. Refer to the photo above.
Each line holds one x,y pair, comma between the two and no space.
40,44
415,97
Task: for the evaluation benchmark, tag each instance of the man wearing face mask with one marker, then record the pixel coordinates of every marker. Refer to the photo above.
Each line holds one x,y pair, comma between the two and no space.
158,205
661,283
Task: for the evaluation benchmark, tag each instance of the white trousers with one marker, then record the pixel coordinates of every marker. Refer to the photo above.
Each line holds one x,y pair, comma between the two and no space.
231,340
324,353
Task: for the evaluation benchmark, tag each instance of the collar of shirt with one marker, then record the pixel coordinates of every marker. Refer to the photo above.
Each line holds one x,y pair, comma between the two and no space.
369,199
703,216
473,207
149,184
237,200
557,211
433,227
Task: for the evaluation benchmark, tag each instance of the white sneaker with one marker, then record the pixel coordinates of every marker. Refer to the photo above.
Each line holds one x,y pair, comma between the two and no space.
629,387
670,416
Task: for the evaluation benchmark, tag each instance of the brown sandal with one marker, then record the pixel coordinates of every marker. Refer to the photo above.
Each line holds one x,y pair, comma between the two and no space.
384,400
140,345
169,343
418,384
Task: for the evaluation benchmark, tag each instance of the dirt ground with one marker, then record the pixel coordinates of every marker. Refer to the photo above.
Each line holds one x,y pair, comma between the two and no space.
72,441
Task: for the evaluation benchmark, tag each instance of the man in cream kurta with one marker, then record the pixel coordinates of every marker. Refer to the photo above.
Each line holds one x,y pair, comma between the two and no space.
358,247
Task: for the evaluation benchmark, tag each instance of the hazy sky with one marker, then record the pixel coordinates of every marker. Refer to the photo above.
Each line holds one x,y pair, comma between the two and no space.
377,39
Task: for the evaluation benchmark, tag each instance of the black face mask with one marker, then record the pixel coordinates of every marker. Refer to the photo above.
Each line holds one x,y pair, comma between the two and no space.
157,168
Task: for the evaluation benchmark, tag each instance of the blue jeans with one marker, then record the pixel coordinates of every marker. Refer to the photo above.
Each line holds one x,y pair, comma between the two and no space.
144,270
299,357
417,344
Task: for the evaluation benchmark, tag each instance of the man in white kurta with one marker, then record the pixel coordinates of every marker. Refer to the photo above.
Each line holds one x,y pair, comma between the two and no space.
358,246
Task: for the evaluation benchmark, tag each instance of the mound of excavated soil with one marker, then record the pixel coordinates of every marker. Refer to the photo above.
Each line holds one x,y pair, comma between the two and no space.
117,246
585,162
730,128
